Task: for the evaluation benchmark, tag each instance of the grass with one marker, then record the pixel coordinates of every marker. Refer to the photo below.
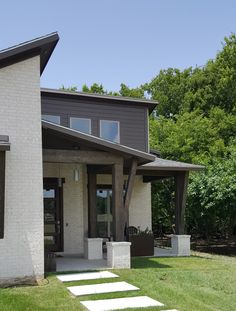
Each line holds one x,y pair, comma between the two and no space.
198,283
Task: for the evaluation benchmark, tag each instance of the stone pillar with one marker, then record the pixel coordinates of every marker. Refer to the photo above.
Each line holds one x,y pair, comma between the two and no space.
180,245
93,248
118,255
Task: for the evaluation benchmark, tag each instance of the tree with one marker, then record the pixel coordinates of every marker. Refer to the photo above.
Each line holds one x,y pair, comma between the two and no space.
203,88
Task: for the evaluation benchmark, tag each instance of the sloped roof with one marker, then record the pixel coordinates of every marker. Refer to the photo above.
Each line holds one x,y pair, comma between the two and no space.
42,46
97,143
160,164
151,104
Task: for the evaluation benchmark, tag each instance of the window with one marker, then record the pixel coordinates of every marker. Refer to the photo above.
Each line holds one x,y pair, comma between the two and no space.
51,118
110,130
81,124
104,213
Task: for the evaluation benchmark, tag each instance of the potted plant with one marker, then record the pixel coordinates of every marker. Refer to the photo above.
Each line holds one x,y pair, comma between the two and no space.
142,243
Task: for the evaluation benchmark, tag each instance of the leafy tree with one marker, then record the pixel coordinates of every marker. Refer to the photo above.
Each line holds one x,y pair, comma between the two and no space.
212,200
212,85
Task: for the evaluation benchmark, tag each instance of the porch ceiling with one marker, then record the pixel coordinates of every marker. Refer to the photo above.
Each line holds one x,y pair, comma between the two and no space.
59,137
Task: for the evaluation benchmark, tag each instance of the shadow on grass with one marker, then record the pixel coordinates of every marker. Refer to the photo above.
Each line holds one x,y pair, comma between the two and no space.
147,263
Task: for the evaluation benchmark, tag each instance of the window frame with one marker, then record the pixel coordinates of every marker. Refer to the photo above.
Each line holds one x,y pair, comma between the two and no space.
52,115
2,191
109,121
87,119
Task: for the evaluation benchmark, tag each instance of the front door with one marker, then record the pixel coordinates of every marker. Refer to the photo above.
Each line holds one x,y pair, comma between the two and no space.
53,229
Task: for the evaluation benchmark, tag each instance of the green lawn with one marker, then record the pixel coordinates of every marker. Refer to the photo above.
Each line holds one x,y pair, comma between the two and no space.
197,283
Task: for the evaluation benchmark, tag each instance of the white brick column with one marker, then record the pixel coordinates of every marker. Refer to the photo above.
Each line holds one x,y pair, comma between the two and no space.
180,245
93,248
118,255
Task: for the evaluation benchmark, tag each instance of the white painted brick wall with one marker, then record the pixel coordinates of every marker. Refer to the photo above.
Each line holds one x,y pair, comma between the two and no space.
140,212
22,250
74,203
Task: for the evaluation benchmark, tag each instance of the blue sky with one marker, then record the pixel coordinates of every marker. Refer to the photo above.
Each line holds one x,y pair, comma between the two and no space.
115,41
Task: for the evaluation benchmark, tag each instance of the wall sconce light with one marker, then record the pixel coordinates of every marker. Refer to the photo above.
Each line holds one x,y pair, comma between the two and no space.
76,175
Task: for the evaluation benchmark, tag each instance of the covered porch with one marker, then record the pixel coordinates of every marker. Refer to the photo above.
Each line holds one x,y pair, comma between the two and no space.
80,165
77,167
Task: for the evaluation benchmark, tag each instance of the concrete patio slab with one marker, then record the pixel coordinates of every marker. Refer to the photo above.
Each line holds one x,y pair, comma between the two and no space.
101,288
86,276
77,263
121,303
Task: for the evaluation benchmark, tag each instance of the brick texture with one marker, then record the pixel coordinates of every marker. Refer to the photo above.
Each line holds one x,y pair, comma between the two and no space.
21,250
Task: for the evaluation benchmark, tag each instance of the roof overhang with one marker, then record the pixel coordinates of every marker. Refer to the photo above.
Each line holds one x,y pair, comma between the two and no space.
4,143
96,143
42,46
162,165
150,104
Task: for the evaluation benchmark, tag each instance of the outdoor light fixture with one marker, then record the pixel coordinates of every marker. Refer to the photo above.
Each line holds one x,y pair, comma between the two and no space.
76,175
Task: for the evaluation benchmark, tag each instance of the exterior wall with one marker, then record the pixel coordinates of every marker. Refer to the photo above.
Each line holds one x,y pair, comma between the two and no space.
140,211
133,118
74,204
22,249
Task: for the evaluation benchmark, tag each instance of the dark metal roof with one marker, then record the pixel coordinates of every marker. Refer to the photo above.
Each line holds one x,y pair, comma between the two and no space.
4,143
42,46
169,165
98,143
151,104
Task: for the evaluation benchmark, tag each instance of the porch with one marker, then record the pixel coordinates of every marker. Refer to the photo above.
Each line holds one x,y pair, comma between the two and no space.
79,163
75,262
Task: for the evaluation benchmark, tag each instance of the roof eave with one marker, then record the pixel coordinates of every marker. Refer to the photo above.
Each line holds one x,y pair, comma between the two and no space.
151,104
43,46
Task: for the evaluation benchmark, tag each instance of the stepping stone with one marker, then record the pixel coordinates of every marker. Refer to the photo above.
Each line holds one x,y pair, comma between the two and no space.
121,303
101,288
86,276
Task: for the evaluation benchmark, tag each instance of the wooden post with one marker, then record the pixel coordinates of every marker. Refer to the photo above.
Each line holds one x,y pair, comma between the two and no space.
118,211
2,192
92,208
181,183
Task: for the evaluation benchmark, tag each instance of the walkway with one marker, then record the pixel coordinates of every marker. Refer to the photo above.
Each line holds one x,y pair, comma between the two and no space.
109,287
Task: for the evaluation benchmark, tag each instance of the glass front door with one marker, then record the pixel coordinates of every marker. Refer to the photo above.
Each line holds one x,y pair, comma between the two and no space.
52,215
104,213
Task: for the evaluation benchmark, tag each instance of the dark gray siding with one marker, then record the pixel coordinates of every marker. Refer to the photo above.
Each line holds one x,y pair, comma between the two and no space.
133,119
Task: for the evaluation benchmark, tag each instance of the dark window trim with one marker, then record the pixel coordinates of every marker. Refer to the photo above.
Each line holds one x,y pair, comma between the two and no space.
2,191
52,181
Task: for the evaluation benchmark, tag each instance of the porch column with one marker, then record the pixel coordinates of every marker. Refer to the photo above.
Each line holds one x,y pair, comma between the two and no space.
118,210
92,209
181,183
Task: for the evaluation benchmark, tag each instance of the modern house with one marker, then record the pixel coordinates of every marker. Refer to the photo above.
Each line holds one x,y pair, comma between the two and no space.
72,165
